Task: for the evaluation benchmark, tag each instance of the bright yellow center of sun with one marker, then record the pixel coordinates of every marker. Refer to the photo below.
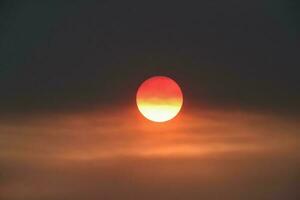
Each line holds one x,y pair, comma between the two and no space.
159,99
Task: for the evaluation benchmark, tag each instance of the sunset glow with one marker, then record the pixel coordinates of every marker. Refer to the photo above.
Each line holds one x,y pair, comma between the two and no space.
159,99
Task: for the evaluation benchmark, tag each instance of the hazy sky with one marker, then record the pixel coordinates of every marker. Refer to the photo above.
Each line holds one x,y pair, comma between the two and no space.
69,126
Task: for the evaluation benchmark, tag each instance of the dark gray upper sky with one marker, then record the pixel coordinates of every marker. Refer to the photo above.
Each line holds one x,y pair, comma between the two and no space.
60,54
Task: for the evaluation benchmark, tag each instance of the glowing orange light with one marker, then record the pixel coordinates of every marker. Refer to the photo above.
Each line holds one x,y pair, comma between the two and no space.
159,98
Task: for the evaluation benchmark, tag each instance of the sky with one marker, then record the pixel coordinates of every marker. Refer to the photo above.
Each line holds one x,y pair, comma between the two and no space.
69,125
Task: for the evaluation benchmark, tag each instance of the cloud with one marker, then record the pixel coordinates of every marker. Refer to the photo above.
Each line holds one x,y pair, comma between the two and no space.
119,155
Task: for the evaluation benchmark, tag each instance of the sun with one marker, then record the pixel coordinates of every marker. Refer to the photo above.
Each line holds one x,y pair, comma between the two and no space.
159,98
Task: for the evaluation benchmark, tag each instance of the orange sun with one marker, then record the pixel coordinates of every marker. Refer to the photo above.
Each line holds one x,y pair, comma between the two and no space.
159,98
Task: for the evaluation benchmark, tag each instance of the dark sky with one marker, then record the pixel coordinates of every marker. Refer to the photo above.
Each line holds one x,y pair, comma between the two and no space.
60,54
